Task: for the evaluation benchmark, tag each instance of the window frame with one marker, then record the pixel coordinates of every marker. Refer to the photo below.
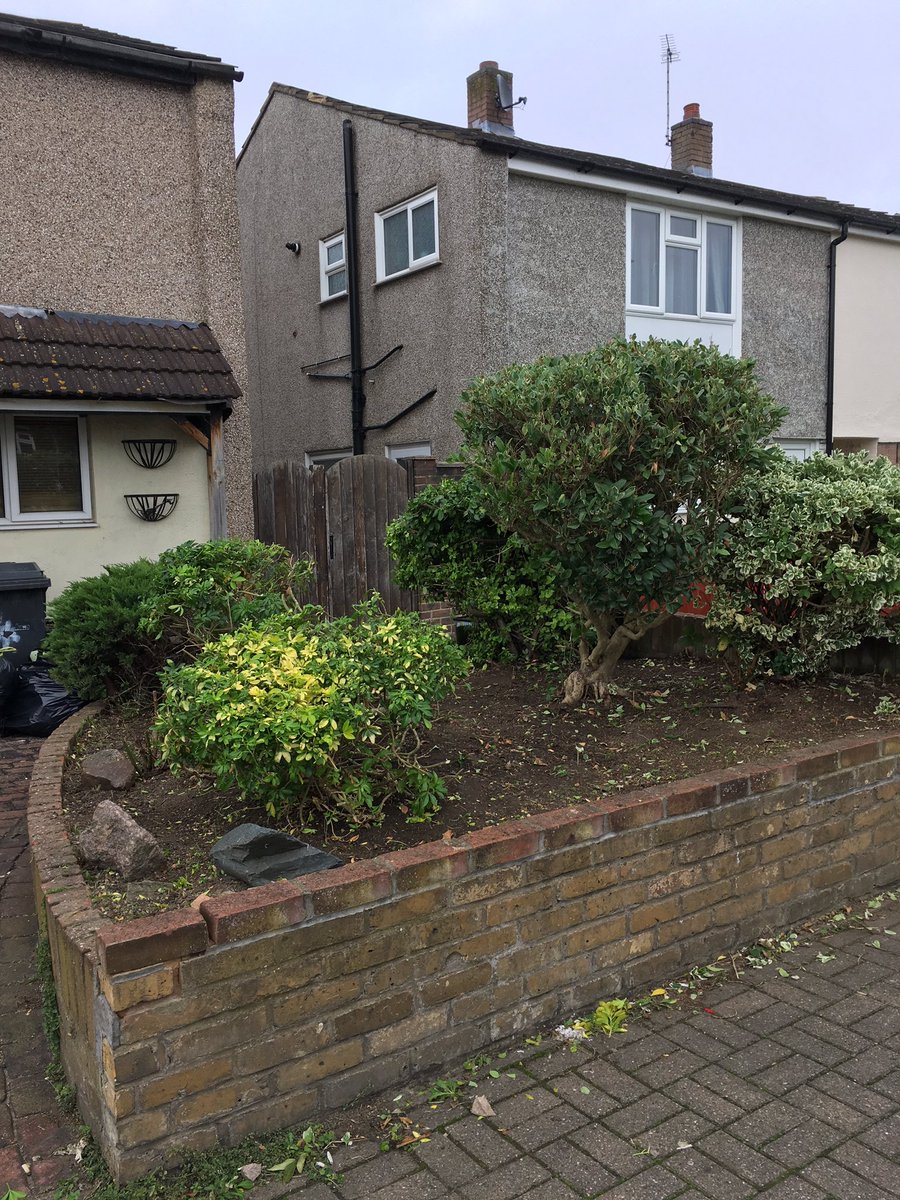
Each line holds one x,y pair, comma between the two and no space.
701,243
14,518
408,206
326,458
326,269
400,450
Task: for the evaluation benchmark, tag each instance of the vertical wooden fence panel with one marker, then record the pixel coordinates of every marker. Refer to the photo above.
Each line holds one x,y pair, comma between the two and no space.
337,518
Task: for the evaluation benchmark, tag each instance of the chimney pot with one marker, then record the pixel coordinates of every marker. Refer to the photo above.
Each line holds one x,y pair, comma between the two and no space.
482,91
692,143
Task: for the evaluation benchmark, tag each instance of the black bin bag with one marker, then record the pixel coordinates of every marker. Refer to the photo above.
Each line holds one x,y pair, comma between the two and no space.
38,705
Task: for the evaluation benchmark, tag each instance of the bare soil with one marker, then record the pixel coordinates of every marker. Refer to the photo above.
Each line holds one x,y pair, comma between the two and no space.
504,748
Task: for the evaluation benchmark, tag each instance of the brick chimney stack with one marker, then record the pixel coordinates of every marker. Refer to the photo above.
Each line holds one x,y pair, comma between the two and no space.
482,89
692,143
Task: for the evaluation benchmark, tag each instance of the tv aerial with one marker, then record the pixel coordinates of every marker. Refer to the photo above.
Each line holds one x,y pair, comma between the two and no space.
669,55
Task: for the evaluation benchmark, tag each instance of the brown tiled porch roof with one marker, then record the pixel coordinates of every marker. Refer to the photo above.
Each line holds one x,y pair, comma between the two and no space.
72,356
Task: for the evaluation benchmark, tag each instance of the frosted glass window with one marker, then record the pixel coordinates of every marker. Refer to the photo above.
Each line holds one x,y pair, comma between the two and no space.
423,230
644,257
718,267
681,280
332,267
407,236
396,243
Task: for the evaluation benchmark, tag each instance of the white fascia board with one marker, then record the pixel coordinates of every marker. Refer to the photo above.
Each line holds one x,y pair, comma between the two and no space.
73,408
536,169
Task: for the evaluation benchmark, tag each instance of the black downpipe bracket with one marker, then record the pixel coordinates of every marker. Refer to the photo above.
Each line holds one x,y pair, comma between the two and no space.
832,293
357,395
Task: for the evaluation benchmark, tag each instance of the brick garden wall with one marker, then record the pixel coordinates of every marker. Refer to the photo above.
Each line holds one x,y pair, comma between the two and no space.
274,1004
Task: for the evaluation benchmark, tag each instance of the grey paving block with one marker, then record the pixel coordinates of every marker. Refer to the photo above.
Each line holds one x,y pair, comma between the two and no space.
483,1143
788,1074
837,1181
584,1095
826,1108
383,1171
875,1167
617,1154
448,1161
738,1091
801,1042
615,1083
805,1142
716,1181
884,1136
512,1180
766,1123
540,1130
579,1170
753,1167
655,1184
669,1067
700,1099
869,1066
772,1018
865,1100
645,1114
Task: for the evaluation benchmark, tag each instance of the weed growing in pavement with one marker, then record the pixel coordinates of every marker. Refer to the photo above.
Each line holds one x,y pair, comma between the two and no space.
217,1175
445,1089
65,1094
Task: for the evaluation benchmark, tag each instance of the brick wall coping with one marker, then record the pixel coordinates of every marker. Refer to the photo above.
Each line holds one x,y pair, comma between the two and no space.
235,916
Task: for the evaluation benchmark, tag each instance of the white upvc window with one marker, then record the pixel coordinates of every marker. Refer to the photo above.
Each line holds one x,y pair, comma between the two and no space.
406,236
681,263
326,458
333,267
44,473
408,450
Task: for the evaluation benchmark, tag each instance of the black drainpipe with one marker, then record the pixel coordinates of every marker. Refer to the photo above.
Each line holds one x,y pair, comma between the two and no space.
832,290
357,395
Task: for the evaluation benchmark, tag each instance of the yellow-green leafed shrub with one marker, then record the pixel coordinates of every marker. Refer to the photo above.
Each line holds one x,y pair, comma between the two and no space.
304,713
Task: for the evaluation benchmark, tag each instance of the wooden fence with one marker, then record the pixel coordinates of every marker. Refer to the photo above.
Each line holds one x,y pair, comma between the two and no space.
337,518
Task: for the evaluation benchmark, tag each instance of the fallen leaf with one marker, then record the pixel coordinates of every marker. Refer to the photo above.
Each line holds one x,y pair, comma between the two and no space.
684,1146
447,835
481,1107
198,900
251,1171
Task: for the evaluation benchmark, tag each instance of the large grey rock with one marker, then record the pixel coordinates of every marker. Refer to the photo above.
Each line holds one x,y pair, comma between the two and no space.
110,769
114,839
257,855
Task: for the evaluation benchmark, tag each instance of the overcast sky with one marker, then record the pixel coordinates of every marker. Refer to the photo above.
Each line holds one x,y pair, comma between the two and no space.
803,94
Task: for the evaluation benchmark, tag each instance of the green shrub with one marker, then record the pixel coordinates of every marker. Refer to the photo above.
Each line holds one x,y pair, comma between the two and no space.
202,590
812,563
307,713
618,466
447,546
95,641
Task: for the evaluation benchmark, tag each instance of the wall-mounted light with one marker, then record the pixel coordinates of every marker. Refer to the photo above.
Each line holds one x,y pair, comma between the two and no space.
294,247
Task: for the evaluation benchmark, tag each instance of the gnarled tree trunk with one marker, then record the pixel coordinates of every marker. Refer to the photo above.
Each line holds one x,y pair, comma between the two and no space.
598,662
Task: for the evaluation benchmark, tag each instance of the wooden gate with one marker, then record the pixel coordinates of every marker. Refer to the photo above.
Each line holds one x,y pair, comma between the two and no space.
337,517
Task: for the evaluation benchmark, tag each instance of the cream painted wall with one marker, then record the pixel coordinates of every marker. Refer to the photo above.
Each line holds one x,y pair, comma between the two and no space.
867,346
68,553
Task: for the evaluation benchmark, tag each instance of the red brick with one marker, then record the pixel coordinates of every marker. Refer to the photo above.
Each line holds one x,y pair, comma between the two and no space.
149,940
425,865
568,826
644,809
811,766
689,797
353,886
239,915
502,843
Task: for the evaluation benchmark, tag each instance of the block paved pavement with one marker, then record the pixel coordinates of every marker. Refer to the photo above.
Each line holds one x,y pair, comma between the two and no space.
789,1088
34,1130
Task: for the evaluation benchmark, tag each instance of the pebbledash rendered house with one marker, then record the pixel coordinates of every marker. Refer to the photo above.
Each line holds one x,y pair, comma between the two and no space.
474,248
123,430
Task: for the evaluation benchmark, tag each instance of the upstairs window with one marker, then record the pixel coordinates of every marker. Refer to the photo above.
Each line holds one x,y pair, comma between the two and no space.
680,264
406,236
43,470
333,267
